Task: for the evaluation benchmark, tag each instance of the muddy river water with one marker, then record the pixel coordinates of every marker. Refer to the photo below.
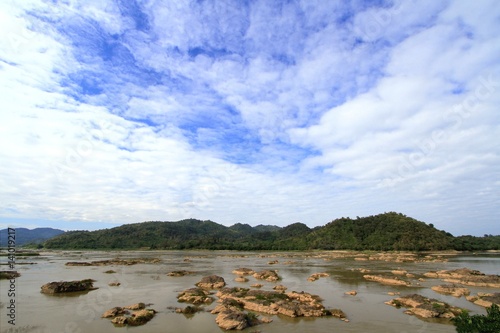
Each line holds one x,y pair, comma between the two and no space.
149,283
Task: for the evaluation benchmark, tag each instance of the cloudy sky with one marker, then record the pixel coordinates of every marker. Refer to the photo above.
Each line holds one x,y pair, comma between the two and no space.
259,112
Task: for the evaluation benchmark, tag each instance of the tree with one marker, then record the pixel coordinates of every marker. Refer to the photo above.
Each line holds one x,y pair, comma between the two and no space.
479,323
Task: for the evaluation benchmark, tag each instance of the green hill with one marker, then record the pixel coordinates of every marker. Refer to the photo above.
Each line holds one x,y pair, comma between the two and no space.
388,231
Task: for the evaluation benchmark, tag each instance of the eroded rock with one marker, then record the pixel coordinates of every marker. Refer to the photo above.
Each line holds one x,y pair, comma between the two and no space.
211,282
122,317
179,273
316,276
451,289
68,286
267,275
393,281
195,296
424,307
485,299
243,271
467,277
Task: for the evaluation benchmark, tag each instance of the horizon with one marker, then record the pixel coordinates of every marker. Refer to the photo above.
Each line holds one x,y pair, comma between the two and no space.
263,112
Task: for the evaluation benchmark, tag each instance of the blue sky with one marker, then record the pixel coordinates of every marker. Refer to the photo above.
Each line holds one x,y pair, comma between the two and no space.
259,112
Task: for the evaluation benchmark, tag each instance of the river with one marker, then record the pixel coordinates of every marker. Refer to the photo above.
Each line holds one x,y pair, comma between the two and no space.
36,312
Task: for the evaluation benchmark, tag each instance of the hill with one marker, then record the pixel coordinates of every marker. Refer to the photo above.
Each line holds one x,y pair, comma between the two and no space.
25,236
388,231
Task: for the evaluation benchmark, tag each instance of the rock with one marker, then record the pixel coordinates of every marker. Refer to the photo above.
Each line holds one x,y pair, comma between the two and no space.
267,275
110,271
386,280
9,275
424,307
68,286
122,317
116,261
243,271
114,284
316,276
232,320
195,296
451,289
116,311
137,306
211,282
352,293
467,277
266,320
188,310
241,279
273,262
485,299
280,287
337,313
393,293
399,272
256,285
179,273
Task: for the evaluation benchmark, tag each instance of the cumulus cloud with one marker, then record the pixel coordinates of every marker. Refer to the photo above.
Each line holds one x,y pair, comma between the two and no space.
124,111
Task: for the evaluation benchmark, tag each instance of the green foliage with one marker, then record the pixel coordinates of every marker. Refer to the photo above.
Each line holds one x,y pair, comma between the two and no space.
388,231
490,323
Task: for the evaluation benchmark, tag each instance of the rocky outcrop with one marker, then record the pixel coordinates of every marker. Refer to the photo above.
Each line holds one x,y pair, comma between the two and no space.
467,277
424,307
195,296
485,299
243,271
188,310
451,289
116,261
316,276
211,282
393,281
121,316
351,293
179,273
68,286
230,316
8,275
267,275
292,304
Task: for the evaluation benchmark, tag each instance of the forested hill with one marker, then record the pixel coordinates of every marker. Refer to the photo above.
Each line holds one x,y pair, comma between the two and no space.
388,231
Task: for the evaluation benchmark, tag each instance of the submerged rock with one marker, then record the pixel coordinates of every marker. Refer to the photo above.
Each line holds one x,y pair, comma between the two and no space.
351,293
8,275
179,273
211,282
241,279
243,271
466,276
451,289
316,276
188,310
68,286
424,307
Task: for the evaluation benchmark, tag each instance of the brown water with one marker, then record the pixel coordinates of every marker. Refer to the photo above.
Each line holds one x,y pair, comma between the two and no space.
148,283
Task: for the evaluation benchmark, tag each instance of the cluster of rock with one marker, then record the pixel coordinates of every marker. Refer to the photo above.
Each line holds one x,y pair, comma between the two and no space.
116,261
316,276
393,281
467,277
291,304
424,307
68,286
400,257
121,316
230,316
485,299
451,289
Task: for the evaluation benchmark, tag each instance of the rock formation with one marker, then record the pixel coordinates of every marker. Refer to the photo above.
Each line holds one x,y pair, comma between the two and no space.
424,307
211,282
451,289
466,276
68,286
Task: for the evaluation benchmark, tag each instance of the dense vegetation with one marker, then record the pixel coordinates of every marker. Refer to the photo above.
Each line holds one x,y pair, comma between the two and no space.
388,231
25,236
490,323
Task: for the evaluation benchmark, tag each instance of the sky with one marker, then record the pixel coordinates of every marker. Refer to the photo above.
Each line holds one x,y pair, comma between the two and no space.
257,112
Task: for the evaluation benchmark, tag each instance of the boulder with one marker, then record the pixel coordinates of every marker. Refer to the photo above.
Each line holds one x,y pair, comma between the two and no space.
9,275
114,284
241,279
211,282
68,286
451,289
195,296
267,275
352,293
116,311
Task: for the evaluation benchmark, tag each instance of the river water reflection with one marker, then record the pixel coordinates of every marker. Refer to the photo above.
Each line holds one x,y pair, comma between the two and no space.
148,283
